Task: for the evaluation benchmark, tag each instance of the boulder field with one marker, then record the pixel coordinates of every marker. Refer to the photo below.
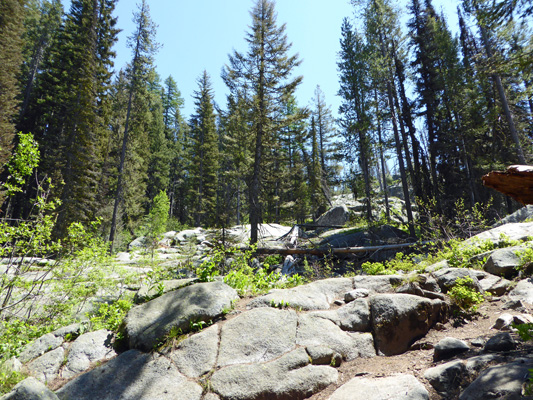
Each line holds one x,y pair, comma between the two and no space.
253,349
361,337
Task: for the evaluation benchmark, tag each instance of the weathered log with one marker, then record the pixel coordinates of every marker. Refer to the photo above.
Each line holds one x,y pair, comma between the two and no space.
516,182
341,250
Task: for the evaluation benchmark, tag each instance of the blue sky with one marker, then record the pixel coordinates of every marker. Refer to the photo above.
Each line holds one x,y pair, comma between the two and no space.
199,34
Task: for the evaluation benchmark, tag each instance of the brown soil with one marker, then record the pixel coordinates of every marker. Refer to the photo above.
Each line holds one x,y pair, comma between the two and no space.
416,362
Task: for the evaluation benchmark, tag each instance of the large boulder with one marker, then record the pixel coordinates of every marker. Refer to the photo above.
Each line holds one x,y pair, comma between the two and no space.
523,291
397,387
148,323
446,378
290,377
503,262
40,346
30,389
197,354
447,277
398,320
520,215
87,349
501,382
354,316
46,367
147,292
337,216
132,375
377,283
512,231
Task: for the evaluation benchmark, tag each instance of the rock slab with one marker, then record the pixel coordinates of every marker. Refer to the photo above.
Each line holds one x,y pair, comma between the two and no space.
30,389
397,387
290,377
148,323
132,375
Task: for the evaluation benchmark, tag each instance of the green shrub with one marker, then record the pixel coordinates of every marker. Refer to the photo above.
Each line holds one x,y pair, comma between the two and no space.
9,378
464,295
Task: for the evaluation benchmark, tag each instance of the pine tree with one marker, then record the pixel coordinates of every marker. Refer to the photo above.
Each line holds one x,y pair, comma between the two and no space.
265,72
42,23
354,90
68,113
381,27
11,28
325,132
204,155
160,157
176,132
131,181
236,159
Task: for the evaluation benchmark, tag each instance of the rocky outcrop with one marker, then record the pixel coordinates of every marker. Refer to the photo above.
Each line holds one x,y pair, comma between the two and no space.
290,343
30,389
337,216
399,320
292,376
502,381
132,375
148,323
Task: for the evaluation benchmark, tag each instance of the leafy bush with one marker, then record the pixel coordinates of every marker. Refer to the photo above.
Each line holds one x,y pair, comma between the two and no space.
110,315
155,223
240,275
465,296
400,262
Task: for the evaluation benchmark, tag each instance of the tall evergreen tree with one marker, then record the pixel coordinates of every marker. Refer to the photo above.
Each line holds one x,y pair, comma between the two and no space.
204,155
325,132
176,132
159,161
381,27
11,28
265,72
355,122
134,137
68,113
42,23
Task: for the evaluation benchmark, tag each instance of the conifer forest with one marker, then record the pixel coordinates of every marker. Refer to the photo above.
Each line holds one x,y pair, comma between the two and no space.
423,109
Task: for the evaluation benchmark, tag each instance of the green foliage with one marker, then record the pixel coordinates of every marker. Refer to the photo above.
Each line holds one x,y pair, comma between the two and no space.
464,295
16,333
240,275
110,315
9,378
24,159
525,331
272,259
455,251
465,222
197,326
400,263
281,304
526,256
155,223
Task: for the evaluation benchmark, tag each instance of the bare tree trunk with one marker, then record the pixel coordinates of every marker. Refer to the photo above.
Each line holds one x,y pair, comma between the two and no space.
118,193
503,98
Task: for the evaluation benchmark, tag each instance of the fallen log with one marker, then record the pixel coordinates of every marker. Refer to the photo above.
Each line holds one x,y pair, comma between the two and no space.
340,250
516,182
